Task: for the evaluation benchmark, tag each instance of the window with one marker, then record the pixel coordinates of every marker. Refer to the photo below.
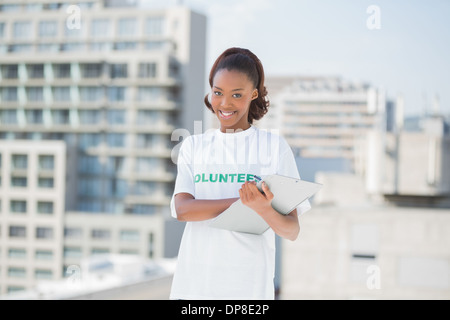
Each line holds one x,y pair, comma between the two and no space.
61,116
116,94
146,164
89,164
48,47
144,188
71,47
73,233
45,207
95,251
20,48
129,235
146,141
19,161
116,140
125,45
14,272
43,274
116,117
9,94
101,46
147,70
61,70
89,206
143,209
72,252
35,94
91,70
48,28
10,71
88,140
100,28
100,234
154,45
75,32
44,233
34,116
61,94
148,117
8,116
174,69
90,187
149,94
46,183
154,26
118,70
22,30
44,255
91,94
151,244
46,162
17,232
115,165
17,253
127,27
89,116
18,181
18,206
2,30
117,188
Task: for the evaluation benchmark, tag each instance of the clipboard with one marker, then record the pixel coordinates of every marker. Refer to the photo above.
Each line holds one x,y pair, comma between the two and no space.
288,194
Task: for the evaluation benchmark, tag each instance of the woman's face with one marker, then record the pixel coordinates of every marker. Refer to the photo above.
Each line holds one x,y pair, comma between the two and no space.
231,95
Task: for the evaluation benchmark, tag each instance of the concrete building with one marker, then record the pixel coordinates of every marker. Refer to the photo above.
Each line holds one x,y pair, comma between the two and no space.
112,80
32,193
321,117
381,234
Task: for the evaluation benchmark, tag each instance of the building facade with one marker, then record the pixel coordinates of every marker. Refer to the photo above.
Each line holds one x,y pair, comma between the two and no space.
112,80
32,193
321,117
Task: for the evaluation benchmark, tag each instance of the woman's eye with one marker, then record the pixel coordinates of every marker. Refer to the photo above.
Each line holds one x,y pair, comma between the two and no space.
217,93
237,95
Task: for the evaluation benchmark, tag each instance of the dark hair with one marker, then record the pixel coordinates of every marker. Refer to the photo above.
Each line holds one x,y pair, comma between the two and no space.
247,62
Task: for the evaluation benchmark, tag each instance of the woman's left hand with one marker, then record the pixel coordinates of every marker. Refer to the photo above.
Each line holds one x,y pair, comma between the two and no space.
253,198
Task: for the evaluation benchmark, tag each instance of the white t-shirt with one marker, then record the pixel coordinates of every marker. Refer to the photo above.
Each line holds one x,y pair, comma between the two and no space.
221,264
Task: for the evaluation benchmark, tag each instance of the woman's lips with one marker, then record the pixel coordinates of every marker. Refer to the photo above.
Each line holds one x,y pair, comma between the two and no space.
226,115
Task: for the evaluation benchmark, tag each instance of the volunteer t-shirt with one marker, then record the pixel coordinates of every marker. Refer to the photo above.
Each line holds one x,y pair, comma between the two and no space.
215,263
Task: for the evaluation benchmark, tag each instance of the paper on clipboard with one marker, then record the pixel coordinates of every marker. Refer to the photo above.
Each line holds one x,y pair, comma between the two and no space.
288,194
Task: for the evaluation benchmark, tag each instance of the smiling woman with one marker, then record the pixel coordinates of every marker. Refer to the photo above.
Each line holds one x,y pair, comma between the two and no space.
238,94
217,168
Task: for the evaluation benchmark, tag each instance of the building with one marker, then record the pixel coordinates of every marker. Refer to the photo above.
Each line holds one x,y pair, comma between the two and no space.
112,80
321,117
32,193
383,233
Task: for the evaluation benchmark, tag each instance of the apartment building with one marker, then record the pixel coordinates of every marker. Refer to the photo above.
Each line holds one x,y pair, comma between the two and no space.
322,116
32,190
112,80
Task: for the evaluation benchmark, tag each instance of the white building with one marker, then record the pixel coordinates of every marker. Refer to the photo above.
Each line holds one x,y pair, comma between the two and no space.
321,117
382,234
113,81
32,192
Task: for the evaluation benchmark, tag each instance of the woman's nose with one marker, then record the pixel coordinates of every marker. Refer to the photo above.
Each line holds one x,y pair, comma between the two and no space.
225,102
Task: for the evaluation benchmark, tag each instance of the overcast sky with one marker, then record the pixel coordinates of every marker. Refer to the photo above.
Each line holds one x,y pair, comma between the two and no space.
409,54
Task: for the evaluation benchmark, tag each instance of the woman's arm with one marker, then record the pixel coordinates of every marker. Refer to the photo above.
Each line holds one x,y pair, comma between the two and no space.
286,226
190,209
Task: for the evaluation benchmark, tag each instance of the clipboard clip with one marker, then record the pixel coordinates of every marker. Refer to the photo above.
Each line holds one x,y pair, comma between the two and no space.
258,183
